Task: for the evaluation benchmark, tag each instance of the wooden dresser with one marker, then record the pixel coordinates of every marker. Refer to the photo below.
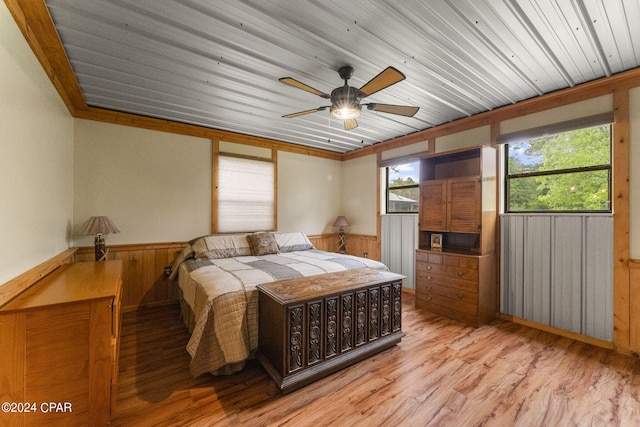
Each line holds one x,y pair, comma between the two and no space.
59,344
456,261
313,326
461,287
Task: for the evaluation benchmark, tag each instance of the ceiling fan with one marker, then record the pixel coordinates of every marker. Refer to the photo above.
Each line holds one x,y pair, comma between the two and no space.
345,100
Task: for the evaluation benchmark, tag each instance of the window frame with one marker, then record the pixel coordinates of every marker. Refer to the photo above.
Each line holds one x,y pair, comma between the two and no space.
401,187
565,171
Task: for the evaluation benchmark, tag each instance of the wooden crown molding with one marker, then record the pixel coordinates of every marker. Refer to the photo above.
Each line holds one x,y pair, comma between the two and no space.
36,25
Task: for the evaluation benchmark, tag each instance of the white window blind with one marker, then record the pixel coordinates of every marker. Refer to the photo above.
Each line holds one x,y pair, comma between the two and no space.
245,194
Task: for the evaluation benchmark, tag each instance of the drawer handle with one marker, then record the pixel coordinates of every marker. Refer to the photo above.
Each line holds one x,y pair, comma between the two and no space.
429,277
459,295
429,267
428,297
429,287
460,273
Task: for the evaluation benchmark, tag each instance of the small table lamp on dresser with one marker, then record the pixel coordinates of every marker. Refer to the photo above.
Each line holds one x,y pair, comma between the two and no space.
341,222
99,226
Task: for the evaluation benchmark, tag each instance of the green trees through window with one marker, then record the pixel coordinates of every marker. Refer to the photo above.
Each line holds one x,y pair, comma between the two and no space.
566,172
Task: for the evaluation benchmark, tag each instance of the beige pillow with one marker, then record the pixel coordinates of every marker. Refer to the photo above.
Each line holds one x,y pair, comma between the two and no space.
292,241
216,246
263,244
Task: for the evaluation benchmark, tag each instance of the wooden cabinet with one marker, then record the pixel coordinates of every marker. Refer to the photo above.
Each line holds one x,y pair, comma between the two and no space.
458,201
60,343
433,205
451,205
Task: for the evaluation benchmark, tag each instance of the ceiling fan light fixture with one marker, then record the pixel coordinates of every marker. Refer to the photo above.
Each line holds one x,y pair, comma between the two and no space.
345,103
346,112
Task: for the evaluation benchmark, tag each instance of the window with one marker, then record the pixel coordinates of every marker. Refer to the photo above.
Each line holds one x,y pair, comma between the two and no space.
246,193
403,192
564,172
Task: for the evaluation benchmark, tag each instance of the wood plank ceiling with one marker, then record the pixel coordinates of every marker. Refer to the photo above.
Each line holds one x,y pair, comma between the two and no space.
217,63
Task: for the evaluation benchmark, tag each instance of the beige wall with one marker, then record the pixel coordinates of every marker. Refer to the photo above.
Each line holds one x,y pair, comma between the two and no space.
359,198
407,150
155,186
36,182
467,138
309,193
589,107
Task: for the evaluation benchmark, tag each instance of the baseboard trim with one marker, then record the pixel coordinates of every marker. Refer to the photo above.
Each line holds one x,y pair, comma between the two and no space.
557,331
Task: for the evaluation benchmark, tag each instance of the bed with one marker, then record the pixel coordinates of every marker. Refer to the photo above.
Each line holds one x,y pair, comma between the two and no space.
217,278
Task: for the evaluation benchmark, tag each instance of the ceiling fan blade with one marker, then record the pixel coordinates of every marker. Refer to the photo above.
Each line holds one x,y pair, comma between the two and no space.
300,85
383,80
401,110
302,113
350,124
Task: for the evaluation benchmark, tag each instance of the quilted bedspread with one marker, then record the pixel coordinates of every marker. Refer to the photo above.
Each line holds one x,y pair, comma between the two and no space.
221,294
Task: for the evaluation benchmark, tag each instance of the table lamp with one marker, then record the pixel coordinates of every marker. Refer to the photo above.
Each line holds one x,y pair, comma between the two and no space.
341,222
99,226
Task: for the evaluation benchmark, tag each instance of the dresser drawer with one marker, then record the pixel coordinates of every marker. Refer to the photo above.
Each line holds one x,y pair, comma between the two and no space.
430,257
441,293
447,259
453,293
452,270
430,279
442,287
460,301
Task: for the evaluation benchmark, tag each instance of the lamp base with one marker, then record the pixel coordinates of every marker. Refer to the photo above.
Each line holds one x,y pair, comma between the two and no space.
342,244
100,248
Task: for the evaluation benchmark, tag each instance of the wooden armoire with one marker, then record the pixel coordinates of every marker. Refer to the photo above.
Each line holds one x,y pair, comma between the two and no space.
456,260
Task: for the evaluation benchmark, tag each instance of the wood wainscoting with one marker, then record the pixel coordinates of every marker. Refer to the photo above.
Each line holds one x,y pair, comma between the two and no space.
144,279
144,282
357,244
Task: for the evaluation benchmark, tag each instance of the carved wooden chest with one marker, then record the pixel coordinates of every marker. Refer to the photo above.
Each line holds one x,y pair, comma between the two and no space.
313,326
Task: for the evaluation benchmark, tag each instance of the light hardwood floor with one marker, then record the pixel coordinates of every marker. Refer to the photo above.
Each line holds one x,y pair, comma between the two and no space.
442,373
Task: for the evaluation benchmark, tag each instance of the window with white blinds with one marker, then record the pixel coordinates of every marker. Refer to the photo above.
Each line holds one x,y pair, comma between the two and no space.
246,194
